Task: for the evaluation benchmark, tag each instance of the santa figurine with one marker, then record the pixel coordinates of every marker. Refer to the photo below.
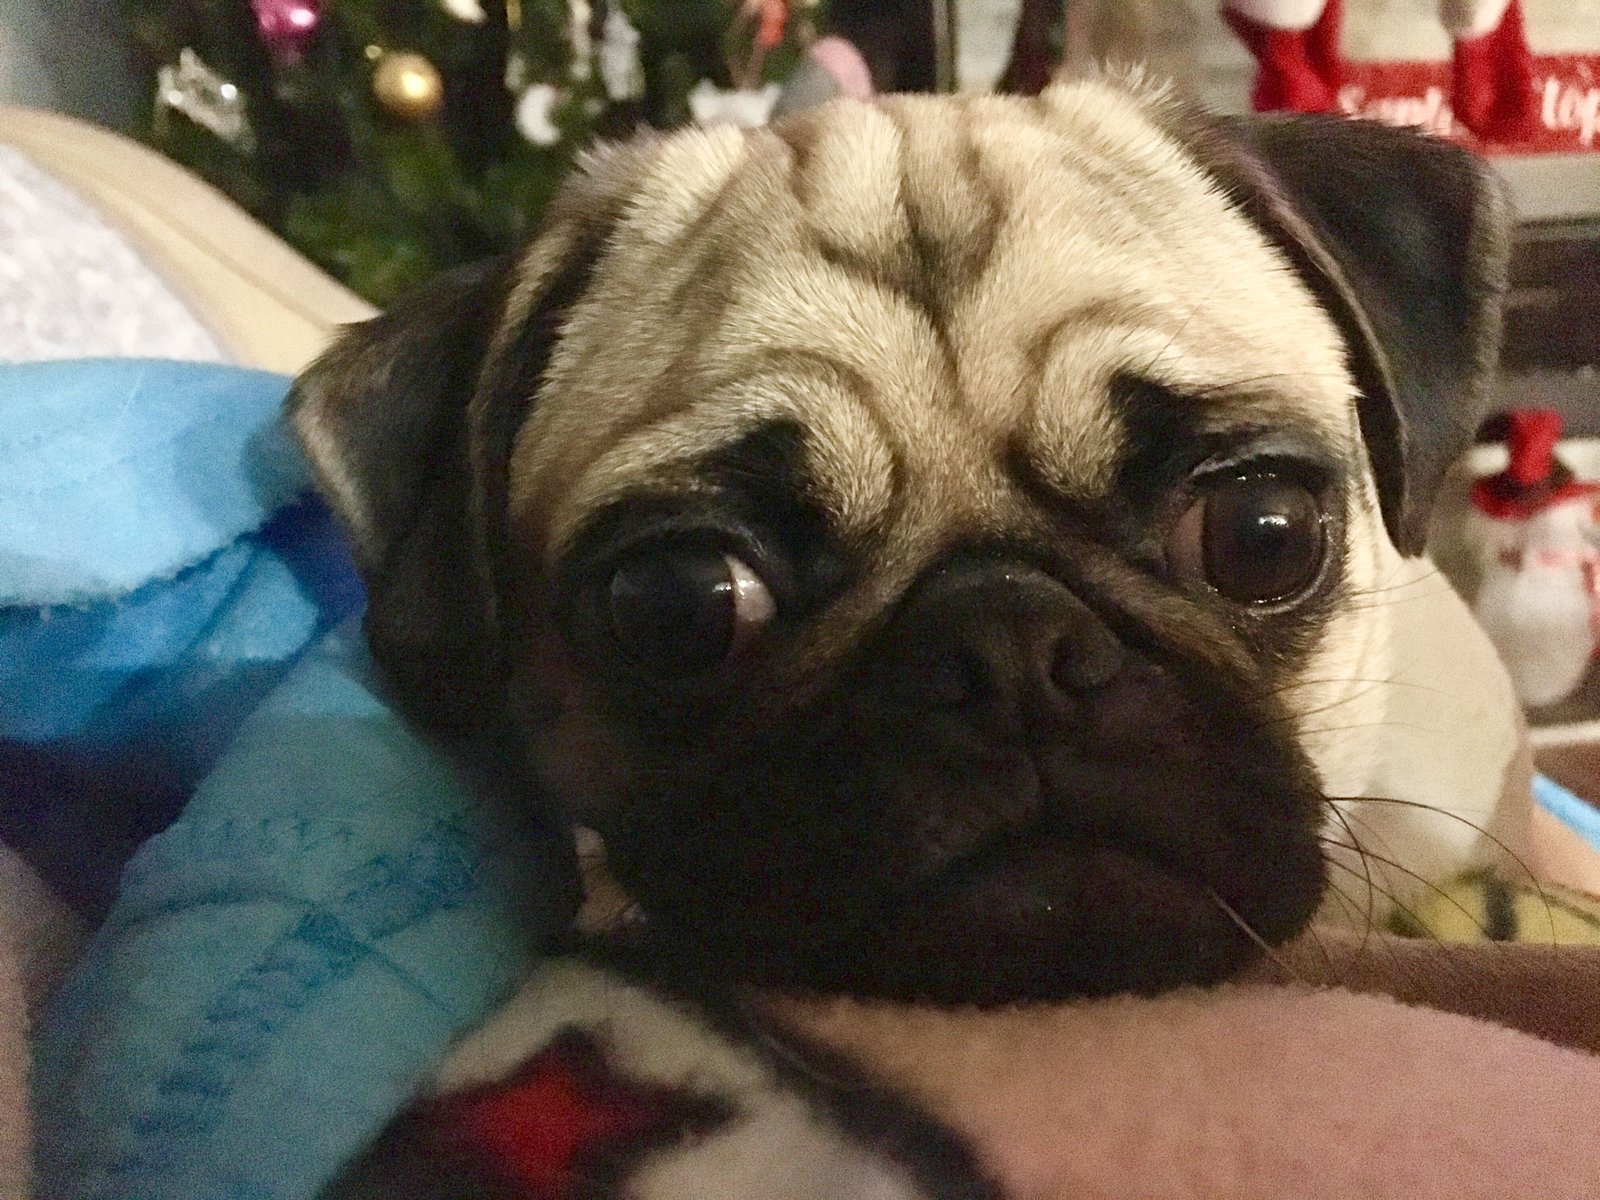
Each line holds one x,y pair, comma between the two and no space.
1534,528
1296,44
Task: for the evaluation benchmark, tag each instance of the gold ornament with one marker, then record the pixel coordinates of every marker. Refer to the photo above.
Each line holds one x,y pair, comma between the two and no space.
408,86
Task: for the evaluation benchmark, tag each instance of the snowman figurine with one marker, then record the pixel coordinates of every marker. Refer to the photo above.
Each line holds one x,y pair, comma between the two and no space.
1535,530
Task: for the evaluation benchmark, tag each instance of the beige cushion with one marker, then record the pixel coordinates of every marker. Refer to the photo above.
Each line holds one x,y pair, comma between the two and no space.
269,306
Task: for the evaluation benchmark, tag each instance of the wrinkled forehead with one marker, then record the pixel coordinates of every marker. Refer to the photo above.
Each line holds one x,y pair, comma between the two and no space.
931,288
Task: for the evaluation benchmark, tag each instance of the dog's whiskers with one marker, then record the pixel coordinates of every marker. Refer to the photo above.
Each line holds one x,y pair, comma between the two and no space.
1234,385
1402,973
1371,686
1431,575
1400,906
1261,943
1538,885
1410,874
1454,816
1366,932
1149,367
1316,682
1354,725
1366,853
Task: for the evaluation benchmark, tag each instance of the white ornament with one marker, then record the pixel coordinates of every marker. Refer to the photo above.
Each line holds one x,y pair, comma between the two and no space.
470,11
621,72
516,73
711,105
206,98
1537,597
580,13
535,115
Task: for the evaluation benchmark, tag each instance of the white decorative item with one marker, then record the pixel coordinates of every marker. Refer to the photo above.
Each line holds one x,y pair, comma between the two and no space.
746,107
621,72
470,11
580,14
206,98
1538,547
985,30
1537,602
516,72
535,115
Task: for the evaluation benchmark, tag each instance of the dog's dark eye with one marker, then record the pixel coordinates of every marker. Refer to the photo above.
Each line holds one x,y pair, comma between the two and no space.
1254,538
682,611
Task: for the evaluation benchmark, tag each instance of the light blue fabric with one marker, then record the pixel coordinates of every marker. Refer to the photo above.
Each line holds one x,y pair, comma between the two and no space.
1576,814
117,472
335,904
162,560
287,961
175,654
163,563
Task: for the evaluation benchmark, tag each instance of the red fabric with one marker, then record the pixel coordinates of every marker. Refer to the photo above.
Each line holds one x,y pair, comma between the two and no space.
1288,59
536,1130
1322,45
1566,92
1492,82
1492,499
1532,437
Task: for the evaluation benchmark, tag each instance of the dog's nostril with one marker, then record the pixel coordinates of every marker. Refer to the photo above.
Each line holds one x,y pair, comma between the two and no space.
1081,664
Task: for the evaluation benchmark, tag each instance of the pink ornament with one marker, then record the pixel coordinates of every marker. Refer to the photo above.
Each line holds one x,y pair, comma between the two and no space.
843,61
286,26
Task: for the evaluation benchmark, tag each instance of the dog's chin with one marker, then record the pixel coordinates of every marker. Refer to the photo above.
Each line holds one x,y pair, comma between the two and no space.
1029,920
1046,921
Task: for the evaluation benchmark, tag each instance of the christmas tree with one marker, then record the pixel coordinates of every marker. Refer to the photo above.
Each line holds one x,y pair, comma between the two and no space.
391,139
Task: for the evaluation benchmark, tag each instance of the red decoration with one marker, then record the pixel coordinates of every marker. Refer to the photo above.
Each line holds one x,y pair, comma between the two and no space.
1538,594
1534,479
774,17
1299,69
286,26
1495,93
1565,90
1492,80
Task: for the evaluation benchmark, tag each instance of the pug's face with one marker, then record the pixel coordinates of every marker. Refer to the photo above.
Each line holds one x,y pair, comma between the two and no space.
913,534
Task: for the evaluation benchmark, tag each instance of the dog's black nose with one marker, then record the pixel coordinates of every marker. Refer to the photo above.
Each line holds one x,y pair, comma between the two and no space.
1002,640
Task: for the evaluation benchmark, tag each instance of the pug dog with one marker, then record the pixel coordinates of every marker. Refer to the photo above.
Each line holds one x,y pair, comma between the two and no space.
955,548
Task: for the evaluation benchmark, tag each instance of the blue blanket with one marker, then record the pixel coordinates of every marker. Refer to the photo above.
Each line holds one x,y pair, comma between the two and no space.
162,565
290,955
286,960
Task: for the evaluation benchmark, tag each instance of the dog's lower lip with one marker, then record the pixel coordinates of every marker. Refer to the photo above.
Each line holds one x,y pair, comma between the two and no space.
1040,851
1044,917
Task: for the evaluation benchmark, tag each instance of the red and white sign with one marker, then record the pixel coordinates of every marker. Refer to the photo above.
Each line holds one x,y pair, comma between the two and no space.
1567,87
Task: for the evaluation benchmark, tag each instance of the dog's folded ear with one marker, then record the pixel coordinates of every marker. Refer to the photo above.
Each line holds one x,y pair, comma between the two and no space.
1404,238
409,420
383,418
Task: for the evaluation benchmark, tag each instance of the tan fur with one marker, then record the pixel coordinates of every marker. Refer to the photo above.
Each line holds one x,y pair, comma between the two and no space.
776,273
779,273
940,291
